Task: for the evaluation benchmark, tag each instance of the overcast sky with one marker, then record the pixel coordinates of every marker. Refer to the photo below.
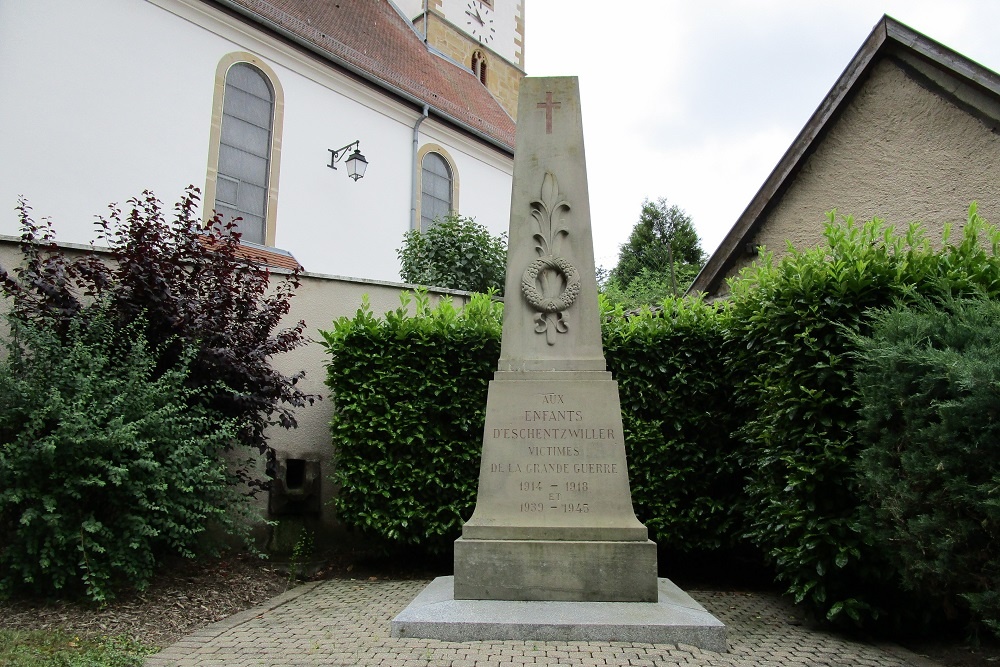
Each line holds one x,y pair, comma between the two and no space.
697,100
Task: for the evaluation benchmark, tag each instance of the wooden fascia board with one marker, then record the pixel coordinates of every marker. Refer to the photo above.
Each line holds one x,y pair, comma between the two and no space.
939,54
968,71
709,278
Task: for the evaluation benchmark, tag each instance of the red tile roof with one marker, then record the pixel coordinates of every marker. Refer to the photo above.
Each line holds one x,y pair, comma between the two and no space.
268,257
372,39
259,254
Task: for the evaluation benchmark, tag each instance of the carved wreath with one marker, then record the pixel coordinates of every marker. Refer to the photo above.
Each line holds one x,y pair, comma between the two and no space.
556,304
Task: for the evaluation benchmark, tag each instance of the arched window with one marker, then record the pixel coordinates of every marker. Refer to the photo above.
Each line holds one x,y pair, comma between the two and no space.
479,66
435,189
245,150
243,157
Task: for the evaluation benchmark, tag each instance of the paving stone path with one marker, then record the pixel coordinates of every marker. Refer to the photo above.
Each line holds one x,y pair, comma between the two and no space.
346,622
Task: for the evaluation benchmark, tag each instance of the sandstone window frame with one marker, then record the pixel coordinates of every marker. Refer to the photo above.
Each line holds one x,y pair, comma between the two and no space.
213,178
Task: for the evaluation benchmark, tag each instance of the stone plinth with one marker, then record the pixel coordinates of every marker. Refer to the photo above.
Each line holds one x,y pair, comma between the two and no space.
555,570
676,618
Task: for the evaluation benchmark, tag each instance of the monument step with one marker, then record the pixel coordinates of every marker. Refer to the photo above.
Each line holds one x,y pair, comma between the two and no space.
674,618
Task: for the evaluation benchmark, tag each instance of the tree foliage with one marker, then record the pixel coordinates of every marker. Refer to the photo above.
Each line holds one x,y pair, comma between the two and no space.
661,258
192,287
649,288
455,253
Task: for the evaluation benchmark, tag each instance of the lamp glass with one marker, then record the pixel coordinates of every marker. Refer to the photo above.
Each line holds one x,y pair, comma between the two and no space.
356,165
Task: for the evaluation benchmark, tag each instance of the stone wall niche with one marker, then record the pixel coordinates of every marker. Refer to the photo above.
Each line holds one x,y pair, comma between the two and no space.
296,489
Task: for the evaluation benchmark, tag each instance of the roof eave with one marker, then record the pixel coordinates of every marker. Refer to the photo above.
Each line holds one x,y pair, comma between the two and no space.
887,32
725,256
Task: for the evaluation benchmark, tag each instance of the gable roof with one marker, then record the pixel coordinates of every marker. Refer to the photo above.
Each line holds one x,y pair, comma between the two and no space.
951,75
372,40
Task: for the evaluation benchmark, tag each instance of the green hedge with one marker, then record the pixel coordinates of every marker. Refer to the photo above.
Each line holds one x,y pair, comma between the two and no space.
928,379
674,388
789,340
410,403
410,406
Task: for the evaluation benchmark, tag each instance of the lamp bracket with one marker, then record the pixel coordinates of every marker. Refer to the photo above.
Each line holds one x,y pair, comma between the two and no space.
338,155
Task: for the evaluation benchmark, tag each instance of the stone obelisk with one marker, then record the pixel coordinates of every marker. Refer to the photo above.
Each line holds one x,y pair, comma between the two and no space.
553,517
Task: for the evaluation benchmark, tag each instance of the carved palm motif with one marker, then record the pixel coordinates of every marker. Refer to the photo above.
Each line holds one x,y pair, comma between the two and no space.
550,283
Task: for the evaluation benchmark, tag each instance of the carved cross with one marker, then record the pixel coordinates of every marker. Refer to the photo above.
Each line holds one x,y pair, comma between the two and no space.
548,105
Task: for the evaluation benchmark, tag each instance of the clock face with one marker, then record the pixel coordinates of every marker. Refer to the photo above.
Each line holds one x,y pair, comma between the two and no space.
480,21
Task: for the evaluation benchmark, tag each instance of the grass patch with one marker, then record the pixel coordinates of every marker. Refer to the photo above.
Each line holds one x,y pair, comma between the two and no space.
55,648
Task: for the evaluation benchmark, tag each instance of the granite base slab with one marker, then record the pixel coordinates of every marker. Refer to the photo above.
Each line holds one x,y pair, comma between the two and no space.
675,619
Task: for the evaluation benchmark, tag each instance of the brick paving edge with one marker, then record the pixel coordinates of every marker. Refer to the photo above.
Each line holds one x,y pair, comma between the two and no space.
170,654
914,659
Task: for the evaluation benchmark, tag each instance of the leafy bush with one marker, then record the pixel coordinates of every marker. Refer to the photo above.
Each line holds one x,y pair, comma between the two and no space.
674,390
193,288
106,462
664,236
928,380
455,253
788,340
410,407
660,260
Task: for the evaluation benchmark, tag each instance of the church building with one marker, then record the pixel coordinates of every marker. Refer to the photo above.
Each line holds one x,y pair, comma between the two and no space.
331,127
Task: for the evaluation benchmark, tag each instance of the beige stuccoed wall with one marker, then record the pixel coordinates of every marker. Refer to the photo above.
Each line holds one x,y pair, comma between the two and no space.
319,301
898,152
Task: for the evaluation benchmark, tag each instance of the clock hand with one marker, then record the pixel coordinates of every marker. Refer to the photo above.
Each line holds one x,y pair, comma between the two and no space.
475,16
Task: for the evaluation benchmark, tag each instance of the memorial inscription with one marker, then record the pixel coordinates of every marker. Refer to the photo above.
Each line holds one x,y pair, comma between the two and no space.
561,482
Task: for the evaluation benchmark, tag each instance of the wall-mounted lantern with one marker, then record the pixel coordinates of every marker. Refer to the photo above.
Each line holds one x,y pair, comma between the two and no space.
356,162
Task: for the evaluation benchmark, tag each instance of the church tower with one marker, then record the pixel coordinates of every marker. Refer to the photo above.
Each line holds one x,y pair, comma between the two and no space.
487,36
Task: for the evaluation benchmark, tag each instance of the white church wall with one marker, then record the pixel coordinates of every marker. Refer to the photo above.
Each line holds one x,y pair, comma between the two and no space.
410,8
109,97
479,169
99,104
331,223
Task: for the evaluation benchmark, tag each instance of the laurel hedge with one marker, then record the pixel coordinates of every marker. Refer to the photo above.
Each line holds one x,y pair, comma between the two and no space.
410,407
410,403
674,389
